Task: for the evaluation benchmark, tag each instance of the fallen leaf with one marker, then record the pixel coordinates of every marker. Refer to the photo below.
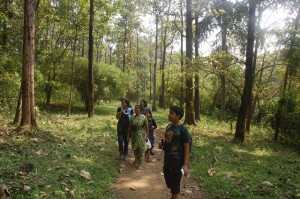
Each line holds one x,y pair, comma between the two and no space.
267,183
188,191
34,139
72,193
85,174
211,171
26,188
12,155
4,193
228,175
41,152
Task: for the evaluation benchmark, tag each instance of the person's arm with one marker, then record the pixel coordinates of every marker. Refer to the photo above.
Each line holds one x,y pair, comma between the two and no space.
185,138
129,132
118,113
185,166
146,127
154,124
129,129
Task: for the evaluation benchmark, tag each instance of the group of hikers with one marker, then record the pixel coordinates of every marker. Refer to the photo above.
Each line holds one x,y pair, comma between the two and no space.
138,124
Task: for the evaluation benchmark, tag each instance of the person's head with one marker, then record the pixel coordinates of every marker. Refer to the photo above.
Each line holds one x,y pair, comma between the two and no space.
143,103
148,113
175,113
125,103
137,109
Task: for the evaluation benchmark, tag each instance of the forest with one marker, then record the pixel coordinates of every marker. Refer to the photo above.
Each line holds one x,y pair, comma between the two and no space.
233,61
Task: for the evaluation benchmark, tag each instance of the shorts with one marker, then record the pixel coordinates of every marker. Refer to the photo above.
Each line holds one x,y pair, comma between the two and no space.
172,174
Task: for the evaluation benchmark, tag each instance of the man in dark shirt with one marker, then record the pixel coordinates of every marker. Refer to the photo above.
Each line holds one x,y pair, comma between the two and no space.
176,151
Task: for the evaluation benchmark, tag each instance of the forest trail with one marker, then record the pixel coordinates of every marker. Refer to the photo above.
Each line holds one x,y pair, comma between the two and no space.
149,183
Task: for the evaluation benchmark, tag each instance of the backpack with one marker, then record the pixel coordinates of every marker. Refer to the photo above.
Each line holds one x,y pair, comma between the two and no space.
190,137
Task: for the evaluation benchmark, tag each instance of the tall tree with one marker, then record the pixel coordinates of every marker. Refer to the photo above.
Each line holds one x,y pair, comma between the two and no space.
247,91
91,62
167,39
28,101
197,78
156,10
189,112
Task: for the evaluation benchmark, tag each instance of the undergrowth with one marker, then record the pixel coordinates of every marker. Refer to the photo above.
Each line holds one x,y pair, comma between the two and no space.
53,162
260,168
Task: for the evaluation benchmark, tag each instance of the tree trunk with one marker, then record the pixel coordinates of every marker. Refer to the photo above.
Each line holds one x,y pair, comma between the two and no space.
197,93
222,76
181,56
253,102
163,62
124,47
189,112
91,62
72,74
28,102
245,100
18,109
82,48
4,24
150,72
155,64
257,43
137,67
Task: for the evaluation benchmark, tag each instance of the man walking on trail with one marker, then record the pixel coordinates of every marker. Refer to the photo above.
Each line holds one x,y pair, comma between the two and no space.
176,151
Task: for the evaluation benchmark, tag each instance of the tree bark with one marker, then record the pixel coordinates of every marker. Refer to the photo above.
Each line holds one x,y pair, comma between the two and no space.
245,100
28,101
150,71
4,25
155,63
197,78
18,109
72,73
181,55
189,112
91,62
250,108
222,76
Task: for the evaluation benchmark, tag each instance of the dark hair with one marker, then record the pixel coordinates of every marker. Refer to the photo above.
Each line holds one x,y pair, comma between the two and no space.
138,106
147,110
126,102
145,102
178,110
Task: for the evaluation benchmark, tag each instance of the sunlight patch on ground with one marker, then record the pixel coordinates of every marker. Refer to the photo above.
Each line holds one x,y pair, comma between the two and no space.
261,152
138,183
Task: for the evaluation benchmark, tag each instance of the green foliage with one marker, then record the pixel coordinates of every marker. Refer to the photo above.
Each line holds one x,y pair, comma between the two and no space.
290,124
10,81
110,82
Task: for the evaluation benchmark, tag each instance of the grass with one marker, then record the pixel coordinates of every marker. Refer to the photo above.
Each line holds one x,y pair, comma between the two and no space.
49,161
260,168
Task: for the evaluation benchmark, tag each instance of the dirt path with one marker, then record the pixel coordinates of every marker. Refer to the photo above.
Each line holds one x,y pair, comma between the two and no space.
149,183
